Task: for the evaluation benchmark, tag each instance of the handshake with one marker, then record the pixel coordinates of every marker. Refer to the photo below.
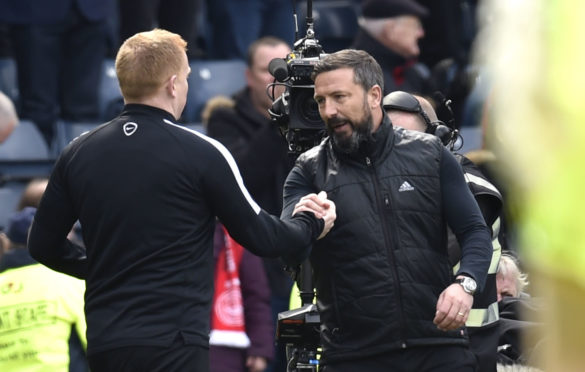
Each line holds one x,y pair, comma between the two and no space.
320,206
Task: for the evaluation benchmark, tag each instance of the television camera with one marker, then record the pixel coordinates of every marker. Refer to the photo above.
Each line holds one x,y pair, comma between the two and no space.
295,111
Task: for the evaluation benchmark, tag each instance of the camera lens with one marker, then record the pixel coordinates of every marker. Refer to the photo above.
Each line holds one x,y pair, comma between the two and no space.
305,111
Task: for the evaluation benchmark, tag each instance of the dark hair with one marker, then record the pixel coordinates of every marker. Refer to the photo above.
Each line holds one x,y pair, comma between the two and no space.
366,71
266,40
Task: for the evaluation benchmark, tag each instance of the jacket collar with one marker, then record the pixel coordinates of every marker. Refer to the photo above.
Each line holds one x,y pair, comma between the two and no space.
246,108
17,257
376,147
384,56
139,109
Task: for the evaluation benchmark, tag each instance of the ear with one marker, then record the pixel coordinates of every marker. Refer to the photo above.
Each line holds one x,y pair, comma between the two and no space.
171,86
375,97
388,29
248,74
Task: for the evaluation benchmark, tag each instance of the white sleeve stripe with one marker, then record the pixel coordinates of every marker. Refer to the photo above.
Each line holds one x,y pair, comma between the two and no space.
230,160
481,182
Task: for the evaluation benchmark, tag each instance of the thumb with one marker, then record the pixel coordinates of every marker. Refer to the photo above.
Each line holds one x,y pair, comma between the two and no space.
322,195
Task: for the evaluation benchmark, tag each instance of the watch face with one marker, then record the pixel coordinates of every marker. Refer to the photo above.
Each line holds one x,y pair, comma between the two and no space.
470,284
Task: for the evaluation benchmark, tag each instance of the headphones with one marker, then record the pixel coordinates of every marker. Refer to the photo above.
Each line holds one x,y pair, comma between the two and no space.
402,101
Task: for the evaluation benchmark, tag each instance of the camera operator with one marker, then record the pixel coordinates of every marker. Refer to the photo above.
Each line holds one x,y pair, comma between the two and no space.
386,293
416,113
146,192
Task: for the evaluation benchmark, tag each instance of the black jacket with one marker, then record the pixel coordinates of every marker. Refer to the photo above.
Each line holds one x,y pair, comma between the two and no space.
399,73
380,270
146,192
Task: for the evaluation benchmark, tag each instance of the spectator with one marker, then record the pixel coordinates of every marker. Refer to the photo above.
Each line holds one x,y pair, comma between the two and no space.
8,117
510,280
146,192
236,24
522,336
386,293
43,326
389,31
59,47
32,194
417,113
242,333
243,125
178,16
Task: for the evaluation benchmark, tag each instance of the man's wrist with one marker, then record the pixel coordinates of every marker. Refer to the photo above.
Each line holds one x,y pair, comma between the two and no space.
467,283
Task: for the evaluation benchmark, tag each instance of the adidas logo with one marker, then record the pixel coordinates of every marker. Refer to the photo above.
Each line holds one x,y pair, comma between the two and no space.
405,187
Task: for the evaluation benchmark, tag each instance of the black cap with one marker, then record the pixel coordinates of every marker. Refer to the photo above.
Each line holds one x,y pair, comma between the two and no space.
19,224
392,8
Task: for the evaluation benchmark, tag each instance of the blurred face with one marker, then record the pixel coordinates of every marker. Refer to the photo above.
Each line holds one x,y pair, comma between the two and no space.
344,106
506,286
402,35
258,76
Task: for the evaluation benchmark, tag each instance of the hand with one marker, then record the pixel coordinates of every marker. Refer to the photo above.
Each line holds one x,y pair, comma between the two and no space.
321,207
256,363
453,308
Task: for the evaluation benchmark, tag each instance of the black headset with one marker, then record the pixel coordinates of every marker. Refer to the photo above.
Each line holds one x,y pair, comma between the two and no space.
402,101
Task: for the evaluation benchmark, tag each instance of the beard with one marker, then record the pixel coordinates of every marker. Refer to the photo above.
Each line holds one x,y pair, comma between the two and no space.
361,132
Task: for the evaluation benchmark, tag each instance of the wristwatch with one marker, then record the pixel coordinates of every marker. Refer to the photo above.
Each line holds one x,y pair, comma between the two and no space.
469,285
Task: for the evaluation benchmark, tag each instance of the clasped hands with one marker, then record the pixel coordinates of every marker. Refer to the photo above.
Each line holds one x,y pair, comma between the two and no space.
320,206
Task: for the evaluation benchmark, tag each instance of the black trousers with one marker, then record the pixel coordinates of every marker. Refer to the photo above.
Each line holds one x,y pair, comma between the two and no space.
178,16
59,70
451,358
175,358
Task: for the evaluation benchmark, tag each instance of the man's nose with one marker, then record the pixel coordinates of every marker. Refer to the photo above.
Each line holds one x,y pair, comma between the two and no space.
328,110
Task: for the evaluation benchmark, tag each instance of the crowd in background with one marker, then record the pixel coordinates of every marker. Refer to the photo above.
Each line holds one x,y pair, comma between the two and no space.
59,48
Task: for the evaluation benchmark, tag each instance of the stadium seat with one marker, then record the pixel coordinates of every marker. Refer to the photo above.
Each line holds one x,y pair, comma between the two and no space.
199,127
110,96
25,143
335,23
209,79
67,131
8,78
472,139
10,193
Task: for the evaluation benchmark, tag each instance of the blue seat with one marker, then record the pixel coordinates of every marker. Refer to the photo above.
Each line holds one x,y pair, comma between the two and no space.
199,127
10,194
110,96
25,143
67,131
335,23
472,139
8,78
209,79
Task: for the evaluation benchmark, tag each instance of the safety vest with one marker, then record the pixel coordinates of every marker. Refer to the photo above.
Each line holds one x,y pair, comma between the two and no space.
485,306
38,308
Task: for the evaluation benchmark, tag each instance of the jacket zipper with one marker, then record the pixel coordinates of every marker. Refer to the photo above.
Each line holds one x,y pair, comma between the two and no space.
389,240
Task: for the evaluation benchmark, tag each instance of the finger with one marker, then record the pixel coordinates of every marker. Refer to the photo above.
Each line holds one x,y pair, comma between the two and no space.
455,319
311,203
445,315
442,309
304,208
322,195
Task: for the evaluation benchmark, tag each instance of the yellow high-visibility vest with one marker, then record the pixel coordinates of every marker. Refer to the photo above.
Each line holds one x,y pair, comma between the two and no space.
38,307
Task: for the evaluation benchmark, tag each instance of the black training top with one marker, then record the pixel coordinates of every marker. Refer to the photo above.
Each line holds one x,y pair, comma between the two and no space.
146,192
